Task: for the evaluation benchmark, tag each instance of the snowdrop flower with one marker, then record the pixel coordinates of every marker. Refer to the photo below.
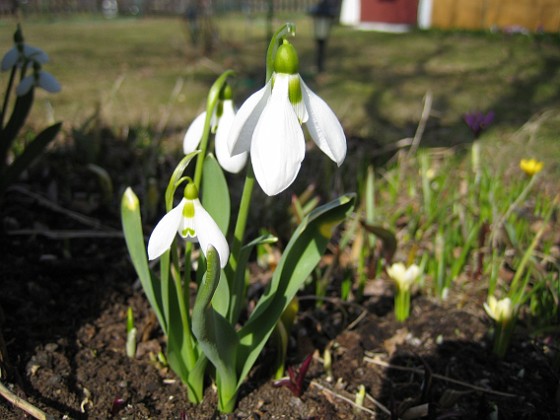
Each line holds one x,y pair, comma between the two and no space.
499,310
222,119
531,166
21,53
193,223
402,276
39,78
268,125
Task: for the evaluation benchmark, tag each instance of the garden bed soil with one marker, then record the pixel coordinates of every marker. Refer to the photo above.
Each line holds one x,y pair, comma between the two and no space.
66,285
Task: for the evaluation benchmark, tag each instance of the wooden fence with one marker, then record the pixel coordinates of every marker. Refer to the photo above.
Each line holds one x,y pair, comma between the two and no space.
504,14
147,7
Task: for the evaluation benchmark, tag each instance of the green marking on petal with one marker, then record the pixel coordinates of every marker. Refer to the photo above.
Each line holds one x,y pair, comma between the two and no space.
294,91
188,232
188,210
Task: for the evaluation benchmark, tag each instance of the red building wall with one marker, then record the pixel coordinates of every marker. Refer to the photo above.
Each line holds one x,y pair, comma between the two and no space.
389,11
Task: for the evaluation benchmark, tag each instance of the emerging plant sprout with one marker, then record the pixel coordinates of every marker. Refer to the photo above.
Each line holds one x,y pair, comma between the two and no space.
403,277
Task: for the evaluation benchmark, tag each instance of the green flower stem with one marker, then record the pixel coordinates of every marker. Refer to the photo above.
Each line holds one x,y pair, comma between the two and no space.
203,148
183,309
239,236
211,103
7,96
402,304
502,337
287,29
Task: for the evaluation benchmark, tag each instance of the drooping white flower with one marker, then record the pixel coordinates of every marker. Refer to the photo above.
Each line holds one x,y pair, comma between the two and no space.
402,276
221,121
23,53
499,310
39,78
193,223
268,125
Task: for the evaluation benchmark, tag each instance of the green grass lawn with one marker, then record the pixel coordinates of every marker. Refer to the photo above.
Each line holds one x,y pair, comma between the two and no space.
145,72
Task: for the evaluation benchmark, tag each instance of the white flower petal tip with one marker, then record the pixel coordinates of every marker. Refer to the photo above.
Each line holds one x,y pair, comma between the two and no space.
48,82
165,231
499,310
25,85
232,164
324,127
402,276
194,134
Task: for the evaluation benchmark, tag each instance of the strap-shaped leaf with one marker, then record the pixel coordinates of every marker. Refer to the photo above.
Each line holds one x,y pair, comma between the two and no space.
21,110
32,151
237,284
134,237
216,337
301,256
215,193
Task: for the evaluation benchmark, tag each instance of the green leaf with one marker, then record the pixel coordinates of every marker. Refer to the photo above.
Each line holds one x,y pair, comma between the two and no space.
32,151
134,237
387,237
21,110
216,337
237,284
215,193
301,256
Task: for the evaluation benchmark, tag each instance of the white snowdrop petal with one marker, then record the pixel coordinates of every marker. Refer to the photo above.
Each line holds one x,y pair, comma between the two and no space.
48,82
278,145
10,59
25,85
194,134
243,126
324,127
232,164
165,231
209,233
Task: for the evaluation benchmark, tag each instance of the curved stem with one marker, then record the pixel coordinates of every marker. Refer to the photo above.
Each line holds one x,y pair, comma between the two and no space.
7,96
287,29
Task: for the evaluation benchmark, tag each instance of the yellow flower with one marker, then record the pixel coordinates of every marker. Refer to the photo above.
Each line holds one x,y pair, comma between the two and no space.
531,166
499,310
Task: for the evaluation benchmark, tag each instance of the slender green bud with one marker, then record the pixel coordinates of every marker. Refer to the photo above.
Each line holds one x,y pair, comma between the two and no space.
286,60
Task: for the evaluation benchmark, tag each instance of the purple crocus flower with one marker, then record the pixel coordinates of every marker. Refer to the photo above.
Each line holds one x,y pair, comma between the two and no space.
477,121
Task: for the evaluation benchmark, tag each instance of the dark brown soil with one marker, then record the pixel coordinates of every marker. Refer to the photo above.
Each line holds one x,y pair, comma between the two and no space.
66,284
